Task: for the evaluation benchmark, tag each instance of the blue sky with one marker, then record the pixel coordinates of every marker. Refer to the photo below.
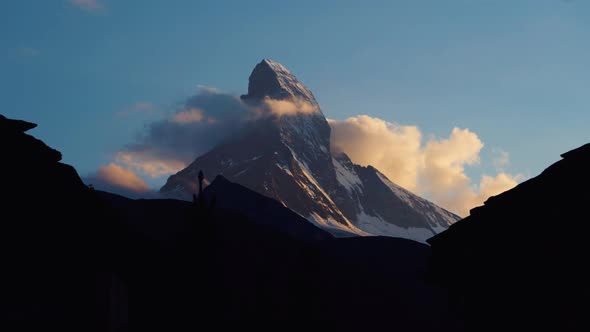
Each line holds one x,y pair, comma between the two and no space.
514,72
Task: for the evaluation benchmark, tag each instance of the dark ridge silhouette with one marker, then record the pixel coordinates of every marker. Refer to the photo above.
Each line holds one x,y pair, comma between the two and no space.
78,259
262,210
232,271
54,240
521,259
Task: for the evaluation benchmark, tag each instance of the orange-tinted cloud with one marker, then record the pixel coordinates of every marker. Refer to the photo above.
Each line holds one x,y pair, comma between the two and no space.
121,177
188,116
435,169
286,107
149,165
191,115
393,149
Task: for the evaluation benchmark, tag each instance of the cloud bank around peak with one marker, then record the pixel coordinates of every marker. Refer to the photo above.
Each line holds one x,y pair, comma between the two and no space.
203,121
285,107
434,169
169,144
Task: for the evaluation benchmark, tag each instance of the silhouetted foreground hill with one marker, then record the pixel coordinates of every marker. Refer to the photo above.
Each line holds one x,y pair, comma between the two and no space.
54,240
216,265
83,260
262,210
522,258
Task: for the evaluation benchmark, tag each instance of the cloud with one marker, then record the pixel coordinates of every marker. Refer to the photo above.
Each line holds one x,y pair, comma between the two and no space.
191,115
207,89
203,121
149,165
120,180
501,159
141,107
490,186
435,169
200,123
391,148
286,107
89,5
122,177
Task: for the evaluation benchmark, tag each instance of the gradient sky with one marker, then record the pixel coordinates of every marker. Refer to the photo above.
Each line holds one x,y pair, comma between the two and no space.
514,72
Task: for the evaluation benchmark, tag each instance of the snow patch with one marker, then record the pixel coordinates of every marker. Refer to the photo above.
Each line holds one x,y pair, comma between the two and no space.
347,178
375,225
334,227
284,168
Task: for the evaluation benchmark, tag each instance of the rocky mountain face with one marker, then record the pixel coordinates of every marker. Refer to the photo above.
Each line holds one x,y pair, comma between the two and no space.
286,156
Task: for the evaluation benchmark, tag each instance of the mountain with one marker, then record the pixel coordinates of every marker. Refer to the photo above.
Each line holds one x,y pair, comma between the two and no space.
520,260
287,156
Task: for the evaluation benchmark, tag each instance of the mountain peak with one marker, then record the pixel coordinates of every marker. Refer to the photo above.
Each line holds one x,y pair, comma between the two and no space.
287,157
271,79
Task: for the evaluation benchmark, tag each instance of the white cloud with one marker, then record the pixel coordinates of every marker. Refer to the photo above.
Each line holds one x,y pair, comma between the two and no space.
501,159
435,169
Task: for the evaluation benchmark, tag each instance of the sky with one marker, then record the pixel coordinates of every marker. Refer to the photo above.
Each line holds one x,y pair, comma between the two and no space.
510,76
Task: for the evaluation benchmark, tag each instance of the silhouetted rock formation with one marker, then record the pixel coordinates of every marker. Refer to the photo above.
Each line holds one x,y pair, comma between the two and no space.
53,240
520,260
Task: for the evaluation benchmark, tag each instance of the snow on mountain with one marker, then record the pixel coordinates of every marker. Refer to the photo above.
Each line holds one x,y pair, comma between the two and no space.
288,158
